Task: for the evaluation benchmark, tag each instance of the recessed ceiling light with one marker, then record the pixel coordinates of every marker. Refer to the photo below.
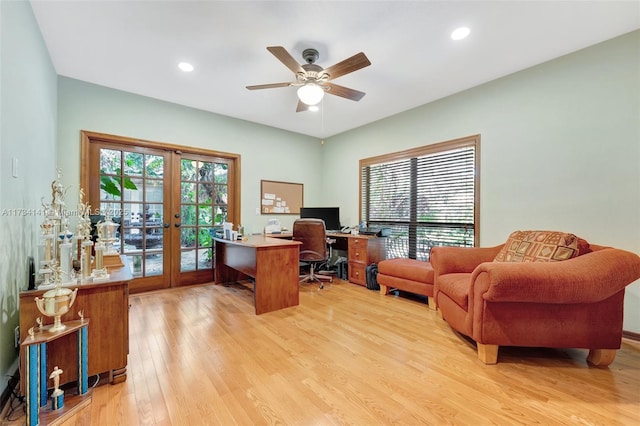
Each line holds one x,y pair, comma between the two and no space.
460,33
185,66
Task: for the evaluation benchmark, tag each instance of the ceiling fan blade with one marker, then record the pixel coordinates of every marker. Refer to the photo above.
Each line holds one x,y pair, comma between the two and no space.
351,64
345,92
301,106
268,86
284,57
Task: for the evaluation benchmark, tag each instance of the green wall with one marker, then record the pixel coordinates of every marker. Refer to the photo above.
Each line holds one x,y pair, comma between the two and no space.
27,132
266,152
560,149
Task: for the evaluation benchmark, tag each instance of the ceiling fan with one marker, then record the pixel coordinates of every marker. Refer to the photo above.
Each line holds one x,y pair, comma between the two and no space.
312,80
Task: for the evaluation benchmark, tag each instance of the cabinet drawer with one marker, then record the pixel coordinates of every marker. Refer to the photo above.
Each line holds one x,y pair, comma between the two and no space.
358,243
358,250
357,273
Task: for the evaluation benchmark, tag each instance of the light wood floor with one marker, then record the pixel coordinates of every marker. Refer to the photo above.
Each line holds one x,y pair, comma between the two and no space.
346,355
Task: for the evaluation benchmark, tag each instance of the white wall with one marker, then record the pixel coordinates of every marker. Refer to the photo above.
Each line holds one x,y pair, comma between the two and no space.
266,152
560,149
27,132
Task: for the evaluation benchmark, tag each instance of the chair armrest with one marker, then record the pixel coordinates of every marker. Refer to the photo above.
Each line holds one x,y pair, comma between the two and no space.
589,278
446,260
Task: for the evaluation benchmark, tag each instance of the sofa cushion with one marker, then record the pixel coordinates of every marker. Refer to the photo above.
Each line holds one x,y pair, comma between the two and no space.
456,287
541,246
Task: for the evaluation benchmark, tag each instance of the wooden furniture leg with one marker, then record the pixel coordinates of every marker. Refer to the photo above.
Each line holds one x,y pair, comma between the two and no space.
488,353
601,357
383,289
432,304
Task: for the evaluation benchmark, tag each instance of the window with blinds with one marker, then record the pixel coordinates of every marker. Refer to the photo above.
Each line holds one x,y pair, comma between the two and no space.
428,196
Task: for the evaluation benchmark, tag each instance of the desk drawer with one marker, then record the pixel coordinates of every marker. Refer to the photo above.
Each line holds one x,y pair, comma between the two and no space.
358,250
357,273
358,242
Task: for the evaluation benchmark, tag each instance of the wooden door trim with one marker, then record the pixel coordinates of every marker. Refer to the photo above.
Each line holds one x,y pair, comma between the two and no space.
172,151
88,136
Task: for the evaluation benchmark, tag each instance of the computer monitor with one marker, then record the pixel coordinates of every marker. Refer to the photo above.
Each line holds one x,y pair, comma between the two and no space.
330,215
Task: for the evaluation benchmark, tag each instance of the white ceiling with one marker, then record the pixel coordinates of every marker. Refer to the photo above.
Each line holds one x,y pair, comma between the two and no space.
135,46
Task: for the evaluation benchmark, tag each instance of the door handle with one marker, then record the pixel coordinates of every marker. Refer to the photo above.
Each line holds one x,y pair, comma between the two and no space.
177,224
166,225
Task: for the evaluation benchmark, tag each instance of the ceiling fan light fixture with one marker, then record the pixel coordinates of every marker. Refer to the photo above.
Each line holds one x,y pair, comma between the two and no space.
310,94
311,79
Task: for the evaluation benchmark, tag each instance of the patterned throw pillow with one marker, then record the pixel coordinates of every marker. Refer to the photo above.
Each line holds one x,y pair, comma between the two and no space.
541,246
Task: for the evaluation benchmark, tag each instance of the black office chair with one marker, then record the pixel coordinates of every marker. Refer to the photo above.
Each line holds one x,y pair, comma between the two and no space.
312,234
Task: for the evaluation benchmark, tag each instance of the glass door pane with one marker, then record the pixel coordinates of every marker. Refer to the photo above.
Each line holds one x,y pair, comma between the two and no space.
132,188
203,207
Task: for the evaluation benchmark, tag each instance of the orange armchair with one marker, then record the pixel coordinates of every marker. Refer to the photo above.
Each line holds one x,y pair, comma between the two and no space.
574,303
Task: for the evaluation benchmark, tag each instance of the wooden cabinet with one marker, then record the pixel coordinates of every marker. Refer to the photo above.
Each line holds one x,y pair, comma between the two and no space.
107,305
363,250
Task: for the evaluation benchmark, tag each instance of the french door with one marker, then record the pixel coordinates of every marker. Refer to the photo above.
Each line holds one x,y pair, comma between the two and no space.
169,203
199,208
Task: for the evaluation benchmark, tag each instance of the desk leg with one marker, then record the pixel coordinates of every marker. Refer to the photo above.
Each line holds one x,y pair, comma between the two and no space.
276,284
222,273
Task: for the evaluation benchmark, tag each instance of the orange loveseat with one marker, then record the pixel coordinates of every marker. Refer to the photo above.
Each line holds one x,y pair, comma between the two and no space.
507,296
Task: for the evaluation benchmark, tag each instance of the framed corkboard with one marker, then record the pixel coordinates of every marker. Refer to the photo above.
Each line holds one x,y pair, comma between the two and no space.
280,197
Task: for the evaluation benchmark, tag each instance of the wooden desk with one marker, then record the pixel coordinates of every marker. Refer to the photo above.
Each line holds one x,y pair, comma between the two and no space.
107,304
362,250
284,235
271,262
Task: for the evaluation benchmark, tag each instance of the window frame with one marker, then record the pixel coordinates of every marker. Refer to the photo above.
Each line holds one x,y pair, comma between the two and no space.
414,153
